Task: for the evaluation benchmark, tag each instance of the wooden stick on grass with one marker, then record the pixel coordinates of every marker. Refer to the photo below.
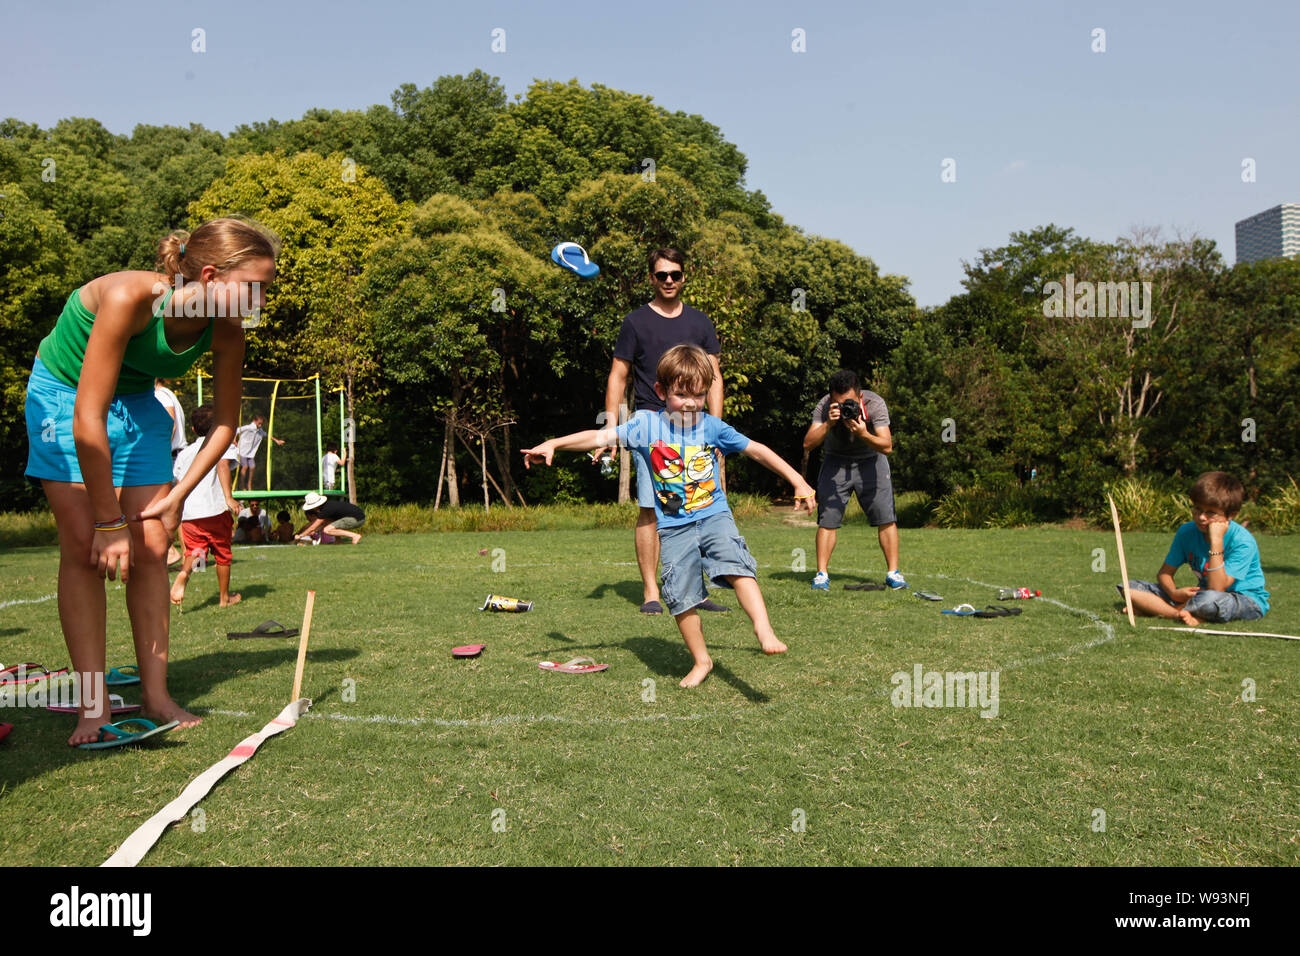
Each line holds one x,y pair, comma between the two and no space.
1123,565
302,645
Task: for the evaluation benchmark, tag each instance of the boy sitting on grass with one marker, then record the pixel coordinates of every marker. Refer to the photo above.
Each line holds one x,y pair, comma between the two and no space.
1221,553
283,531
697,534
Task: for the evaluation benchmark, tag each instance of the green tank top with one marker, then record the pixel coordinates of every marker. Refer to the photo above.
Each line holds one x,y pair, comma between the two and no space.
147,356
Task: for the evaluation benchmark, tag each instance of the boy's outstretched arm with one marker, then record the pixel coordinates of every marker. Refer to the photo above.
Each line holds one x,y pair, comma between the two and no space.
803,493
578,441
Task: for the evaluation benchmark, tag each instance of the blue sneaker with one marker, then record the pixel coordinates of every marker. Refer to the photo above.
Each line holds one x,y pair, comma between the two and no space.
895,580
822,582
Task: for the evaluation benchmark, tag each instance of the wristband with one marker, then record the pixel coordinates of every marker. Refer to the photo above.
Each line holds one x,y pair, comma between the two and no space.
113,524
804,497
1208,570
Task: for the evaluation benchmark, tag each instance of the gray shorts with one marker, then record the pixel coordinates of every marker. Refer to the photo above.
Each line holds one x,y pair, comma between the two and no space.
1218,606
346,524
841,478
711,546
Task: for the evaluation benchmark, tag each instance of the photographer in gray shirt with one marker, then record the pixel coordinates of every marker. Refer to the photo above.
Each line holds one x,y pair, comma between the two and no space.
854,424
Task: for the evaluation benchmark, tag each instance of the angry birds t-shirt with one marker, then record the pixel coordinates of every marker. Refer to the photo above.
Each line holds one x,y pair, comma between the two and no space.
682,463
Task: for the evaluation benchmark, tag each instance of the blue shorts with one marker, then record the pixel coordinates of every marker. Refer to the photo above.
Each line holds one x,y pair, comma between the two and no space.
711,546
139,434
1217,606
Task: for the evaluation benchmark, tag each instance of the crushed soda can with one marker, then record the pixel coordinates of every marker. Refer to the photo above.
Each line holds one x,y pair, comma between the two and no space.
499,602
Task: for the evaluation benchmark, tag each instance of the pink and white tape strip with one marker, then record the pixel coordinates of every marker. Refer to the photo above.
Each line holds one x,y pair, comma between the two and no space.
139,843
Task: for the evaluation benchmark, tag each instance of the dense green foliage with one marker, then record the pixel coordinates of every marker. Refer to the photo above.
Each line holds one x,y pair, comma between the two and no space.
414,273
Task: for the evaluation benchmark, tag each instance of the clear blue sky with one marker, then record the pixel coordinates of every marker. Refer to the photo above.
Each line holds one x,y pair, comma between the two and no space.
846,139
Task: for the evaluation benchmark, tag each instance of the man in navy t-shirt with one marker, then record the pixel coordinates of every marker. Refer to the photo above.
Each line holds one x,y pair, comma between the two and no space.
647,333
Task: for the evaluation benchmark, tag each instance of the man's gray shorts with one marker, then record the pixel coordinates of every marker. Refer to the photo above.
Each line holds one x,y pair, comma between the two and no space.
645,489
1217,606
841,478
346,524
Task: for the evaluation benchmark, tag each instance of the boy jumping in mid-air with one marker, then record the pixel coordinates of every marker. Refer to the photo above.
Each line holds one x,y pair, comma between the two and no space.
1221,553
697,534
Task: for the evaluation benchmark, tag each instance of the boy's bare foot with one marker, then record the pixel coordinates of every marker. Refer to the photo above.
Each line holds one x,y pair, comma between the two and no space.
87,730
696,677
178,593
234,599
168,711
1190,619
772,646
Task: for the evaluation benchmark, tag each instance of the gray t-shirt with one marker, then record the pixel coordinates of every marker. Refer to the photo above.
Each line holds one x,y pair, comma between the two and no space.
839,441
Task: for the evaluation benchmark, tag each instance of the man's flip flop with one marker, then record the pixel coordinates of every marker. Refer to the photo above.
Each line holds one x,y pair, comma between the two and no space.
964,610
994,611
865,586
928,595
468,650
115,702
573,257
267,629
22,673
116,735
575,666
123,676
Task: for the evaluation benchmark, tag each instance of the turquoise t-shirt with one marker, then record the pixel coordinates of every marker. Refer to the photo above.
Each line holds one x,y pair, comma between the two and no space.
681,462
1240,559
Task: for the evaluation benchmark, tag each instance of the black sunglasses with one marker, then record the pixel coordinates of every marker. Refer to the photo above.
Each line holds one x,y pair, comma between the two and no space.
675,275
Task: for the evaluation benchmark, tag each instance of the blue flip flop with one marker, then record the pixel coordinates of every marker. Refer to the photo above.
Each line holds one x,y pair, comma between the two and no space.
118,676
573,257
121,736
963,610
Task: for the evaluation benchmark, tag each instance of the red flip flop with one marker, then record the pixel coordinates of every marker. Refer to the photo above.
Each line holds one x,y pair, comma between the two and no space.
575,666
4,730
10,675
468,650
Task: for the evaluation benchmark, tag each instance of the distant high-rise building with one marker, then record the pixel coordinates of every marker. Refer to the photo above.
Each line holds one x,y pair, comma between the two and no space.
1270,234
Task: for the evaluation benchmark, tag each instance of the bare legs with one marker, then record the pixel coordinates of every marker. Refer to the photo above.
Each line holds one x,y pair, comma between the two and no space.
887,533
751,600
647,553
83,604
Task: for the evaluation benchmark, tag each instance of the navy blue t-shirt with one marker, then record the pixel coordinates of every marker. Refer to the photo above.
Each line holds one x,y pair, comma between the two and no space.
646,336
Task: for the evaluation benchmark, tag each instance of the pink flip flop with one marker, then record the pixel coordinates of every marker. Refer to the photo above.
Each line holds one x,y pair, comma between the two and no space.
575,666
10,675
117,706
4,730
468,650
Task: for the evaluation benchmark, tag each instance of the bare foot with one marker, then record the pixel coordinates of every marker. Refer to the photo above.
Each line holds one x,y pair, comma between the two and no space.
772,646
178,593
168,711
357,539
234,599
87,730
696,677
1190,619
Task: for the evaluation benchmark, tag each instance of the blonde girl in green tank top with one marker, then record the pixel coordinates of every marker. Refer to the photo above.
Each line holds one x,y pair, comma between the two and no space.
134,325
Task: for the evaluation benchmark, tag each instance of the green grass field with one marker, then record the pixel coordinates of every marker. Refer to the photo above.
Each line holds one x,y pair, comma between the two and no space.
800,759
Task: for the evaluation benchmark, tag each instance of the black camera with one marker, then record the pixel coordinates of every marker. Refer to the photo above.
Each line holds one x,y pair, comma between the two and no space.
850,410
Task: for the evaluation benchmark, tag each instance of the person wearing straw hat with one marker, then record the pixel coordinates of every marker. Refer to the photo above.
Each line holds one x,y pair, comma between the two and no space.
330,516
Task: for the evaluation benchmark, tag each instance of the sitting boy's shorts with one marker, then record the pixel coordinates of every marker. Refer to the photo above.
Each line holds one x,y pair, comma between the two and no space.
214,532
841,478
1217,606
711,546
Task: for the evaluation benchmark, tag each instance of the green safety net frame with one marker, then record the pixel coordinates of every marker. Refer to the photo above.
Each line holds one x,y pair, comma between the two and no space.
295,414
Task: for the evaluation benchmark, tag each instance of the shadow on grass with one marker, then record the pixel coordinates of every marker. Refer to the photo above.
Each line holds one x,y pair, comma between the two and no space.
11,631
247,592
630,591
672,660
836,579
39,742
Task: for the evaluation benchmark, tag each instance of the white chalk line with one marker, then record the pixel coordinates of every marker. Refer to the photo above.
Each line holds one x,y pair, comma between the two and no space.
39,600
501,721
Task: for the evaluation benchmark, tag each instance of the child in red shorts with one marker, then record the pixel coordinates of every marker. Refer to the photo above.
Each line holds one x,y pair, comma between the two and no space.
207,519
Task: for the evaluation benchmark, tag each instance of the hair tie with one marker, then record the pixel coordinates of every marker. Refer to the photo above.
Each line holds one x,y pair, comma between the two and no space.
182,250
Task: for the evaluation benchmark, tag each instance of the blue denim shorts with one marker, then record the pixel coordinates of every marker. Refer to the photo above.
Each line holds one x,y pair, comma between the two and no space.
711,546
1215,606
139,434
